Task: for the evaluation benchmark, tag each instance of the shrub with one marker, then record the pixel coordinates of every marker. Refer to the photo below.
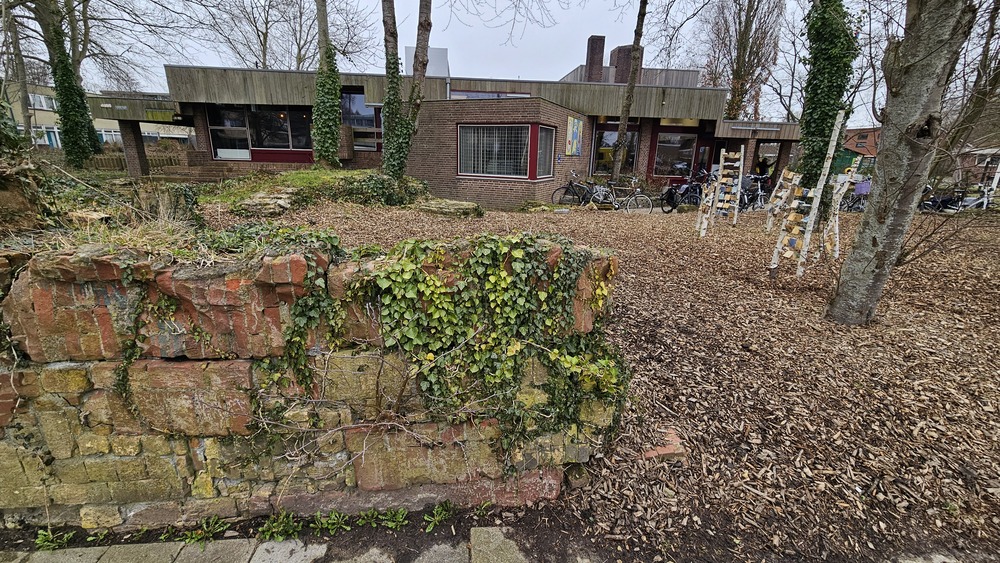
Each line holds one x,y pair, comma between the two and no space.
380,188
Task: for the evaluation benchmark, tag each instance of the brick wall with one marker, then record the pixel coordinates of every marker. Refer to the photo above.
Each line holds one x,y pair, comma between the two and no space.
155,457
434,155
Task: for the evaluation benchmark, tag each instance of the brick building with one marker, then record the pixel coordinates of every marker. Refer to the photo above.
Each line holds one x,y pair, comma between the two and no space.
497,142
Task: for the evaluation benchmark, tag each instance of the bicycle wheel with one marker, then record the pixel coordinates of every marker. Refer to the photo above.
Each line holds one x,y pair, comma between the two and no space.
640,203
565,196
691,198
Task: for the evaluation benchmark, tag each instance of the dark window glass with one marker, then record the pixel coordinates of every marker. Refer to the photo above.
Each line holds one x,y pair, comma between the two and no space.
300,120
546,138
493,150
354,111
227,140
674,154
226,116
269,129
365,140
604,143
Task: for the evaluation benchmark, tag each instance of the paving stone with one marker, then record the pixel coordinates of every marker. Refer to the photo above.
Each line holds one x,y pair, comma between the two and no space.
444,553
13,556
74,555
142,553
291,551
489,545
221,551
373,555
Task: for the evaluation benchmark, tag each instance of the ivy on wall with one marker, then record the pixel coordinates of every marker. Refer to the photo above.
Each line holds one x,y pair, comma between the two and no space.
327,111
470,317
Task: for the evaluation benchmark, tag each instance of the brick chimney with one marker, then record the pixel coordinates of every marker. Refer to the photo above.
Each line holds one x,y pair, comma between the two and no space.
594,67
621,59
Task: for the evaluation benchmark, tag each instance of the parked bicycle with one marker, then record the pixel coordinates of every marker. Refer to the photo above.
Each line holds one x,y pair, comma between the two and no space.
856,201
574,192
755,192
688,193
960,200
582,193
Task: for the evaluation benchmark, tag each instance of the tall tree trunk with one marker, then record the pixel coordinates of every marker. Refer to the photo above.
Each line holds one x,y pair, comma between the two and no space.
323,28
420,60
917,70
20,76
633,77
984,89
389,32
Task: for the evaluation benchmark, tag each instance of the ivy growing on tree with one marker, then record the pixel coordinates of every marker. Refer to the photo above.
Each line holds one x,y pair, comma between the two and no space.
832,47
397,126
77,133
327,110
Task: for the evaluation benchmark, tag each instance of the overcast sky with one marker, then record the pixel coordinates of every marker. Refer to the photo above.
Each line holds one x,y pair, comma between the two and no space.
479,51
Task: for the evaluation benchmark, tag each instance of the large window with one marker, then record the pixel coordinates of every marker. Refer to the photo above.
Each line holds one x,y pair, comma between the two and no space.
674,154
604,144
546,140
355,112
493,150
269,129
227,125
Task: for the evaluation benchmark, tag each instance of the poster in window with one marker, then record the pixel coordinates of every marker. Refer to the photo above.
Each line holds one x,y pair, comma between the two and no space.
574,136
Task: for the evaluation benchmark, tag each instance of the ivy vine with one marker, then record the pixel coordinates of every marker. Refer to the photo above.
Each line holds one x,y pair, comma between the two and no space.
833,47
327,110
469,317
397,126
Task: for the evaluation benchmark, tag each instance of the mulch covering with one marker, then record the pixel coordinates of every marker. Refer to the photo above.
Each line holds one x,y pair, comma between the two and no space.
806,439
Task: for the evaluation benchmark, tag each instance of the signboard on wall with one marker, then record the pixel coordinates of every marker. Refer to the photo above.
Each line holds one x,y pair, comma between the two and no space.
574,136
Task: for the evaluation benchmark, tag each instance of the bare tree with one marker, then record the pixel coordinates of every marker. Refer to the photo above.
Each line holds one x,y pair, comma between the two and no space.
742,50
15,68
917,69
783,90
280,34
976,88
633,77
668,20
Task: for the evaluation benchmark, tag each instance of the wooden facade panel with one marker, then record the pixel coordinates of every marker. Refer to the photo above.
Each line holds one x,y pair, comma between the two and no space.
760,130
131,109
247,86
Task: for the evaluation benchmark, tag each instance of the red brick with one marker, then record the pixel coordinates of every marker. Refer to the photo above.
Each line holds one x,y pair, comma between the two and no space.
107,271
297,267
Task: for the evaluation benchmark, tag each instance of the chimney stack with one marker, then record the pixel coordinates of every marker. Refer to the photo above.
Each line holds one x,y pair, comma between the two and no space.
621,59
594,66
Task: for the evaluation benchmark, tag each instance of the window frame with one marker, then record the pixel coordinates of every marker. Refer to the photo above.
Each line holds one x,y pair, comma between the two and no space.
532,146
552,153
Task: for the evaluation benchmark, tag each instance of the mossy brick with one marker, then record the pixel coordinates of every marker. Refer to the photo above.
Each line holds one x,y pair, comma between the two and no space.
531,397
147,490
64,377
102,469
597,413
22,497
106,408
126,445
161,469
534,373
331,441
212,449
195,510
11,469
156,445
93,516
80,493
152,514
131,469
91,443
57,427
102,374
203,486
70,471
